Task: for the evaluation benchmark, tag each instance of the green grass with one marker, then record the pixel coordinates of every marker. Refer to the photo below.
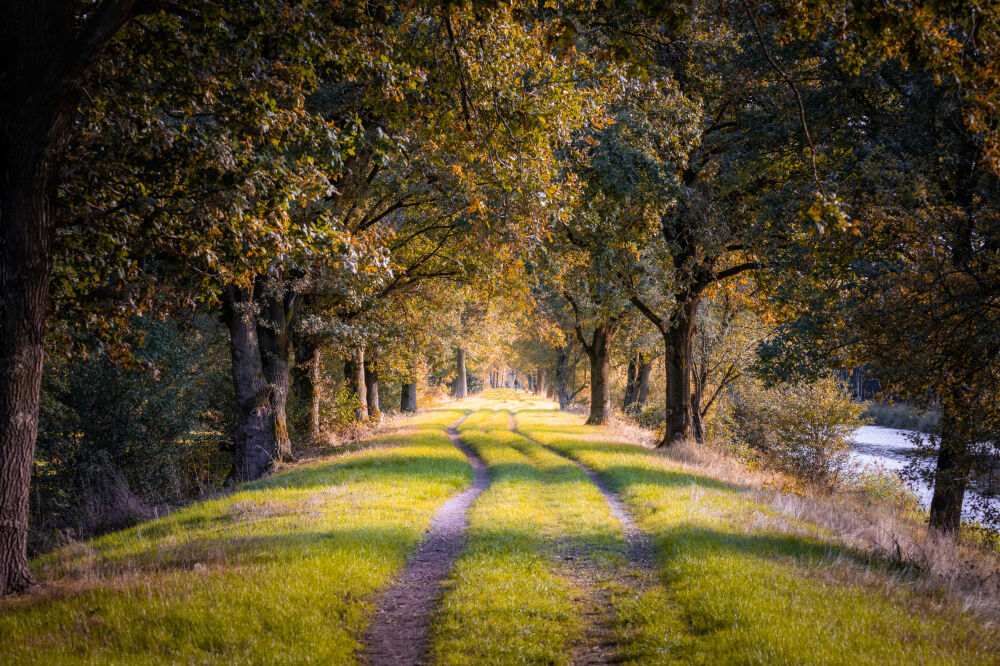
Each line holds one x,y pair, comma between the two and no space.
744,586
509,598
282,571
287,570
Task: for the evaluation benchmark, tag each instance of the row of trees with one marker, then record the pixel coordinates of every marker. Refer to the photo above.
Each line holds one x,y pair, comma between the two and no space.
390,182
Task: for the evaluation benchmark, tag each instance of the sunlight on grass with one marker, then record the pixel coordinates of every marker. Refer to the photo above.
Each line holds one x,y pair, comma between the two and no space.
284,570
507,599
746,588
288,569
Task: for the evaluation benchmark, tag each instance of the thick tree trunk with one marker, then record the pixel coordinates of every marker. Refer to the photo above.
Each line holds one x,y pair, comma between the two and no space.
254,440
371,389
408,397
600,366
951,477
277,309
25,264
540,387
677,362
461,388
45,52
354,375
631,386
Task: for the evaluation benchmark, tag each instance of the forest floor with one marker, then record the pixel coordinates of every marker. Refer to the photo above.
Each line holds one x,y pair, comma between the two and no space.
496,530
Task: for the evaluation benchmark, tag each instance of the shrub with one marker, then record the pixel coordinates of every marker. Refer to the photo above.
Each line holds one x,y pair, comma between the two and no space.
651,416
902,417
339,408
804,429
884,487
116,442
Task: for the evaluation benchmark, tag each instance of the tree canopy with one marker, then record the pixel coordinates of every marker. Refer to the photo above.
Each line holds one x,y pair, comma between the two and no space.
356,200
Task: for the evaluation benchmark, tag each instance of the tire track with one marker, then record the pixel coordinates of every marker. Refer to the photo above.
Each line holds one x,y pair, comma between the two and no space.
399,633
599,645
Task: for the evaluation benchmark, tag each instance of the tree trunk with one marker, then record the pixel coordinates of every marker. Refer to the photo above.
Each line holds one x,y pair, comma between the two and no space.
600,387
951,477
631,386
677,362
563,394
461,388
371,389
35,126
642,388
254,440
27,227
696,422
46,51
308,366
408,397
540,387
354,375
277,309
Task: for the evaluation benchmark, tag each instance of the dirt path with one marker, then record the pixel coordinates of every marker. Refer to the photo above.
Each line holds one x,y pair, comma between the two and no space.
602,578
400,630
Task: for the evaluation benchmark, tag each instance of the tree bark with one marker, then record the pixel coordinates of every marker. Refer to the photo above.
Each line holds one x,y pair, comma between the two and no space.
371,389
408,397
951,477
354,375
631,386
45,52
25,264
461,388
278,306
540,387
562,379
642,388
254,440
677,363
600,365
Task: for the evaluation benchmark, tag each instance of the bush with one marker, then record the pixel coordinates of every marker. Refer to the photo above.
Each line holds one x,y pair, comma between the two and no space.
884,487
339,408
804,429
902,417
115,443
651,416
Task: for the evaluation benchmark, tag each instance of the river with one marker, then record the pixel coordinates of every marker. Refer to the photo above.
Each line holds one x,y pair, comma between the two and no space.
893,449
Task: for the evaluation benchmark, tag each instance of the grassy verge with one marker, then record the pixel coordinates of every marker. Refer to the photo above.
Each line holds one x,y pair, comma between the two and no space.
747,586
509,599
281,571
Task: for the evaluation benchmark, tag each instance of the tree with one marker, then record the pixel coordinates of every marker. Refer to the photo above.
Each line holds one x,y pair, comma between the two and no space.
48,48
909,289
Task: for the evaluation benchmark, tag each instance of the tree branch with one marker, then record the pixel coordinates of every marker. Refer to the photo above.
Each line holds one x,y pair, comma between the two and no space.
576,322
650,315
795,89
736,270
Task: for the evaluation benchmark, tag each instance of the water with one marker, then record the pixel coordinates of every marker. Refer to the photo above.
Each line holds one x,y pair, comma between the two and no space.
893,450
